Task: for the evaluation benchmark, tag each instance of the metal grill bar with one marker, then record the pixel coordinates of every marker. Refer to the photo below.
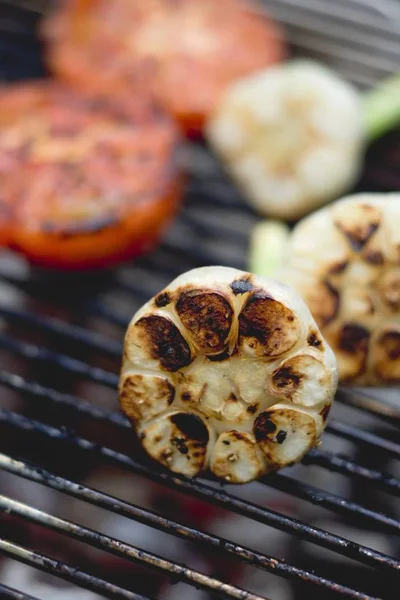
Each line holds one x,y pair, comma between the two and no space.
364,47
390,414
333,462
201,490
92,340
363,437
7,592
268,563
357,399
34,352
328,460
118,548
84,407
330,501
333,11
313,495
340,31
67,572
317,457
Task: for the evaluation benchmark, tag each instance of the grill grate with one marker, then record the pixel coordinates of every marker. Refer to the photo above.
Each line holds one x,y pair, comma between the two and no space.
61,344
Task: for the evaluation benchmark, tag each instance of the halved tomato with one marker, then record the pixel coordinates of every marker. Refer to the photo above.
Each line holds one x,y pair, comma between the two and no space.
84,182
186,52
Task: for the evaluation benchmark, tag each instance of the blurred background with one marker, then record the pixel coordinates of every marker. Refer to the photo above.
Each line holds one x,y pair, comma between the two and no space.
60,343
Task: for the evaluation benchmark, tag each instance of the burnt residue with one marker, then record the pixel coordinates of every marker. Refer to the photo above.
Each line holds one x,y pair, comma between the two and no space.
286,376
165,342
269,322
354,339
325,412
186,396
252,409
390,341
191,426
162,299
332,302
263,426
359,233
180,444
238,435
374,257
208,317
338,267
219,357
87,227
242,286
165,454
314,340
281,436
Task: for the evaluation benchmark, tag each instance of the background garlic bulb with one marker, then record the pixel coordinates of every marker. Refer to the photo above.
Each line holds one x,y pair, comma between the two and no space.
345,262
229,371
292,137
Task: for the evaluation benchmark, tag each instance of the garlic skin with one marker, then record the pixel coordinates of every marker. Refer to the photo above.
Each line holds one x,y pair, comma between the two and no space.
228,371
292,137
344,260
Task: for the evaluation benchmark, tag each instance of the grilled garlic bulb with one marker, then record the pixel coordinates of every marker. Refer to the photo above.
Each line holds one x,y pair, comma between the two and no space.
345,262
292,137
226,370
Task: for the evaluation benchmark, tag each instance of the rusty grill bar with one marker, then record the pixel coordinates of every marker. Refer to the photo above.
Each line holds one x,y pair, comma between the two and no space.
346,34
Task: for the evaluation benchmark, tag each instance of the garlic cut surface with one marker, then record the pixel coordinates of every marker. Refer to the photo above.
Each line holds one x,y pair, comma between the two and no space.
344,260
226,371
291,136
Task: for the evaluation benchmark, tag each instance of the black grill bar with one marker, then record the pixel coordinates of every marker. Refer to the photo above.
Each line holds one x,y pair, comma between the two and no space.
307,20
11,594
97,498
357,399
89,307
363,437
355,17
390,414
342,34
68,572
84,407
384,481
57,327
330,501
34,352
314,495
334,462
104,542
219,497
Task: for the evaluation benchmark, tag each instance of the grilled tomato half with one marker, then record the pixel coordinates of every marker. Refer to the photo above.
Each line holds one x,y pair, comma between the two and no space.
84,183
185,51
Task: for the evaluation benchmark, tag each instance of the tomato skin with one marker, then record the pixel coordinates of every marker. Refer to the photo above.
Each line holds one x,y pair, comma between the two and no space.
86,183
105,247
185,53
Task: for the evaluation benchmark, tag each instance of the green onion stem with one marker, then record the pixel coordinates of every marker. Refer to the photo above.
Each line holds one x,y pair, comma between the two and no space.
267,247
381,107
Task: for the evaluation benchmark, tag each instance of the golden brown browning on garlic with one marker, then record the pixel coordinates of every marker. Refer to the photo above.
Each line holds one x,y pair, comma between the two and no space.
345,262
227,371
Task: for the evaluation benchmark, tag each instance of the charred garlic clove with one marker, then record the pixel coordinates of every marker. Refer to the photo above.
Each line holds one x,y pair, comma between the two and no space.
227,371
345,262
292,137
